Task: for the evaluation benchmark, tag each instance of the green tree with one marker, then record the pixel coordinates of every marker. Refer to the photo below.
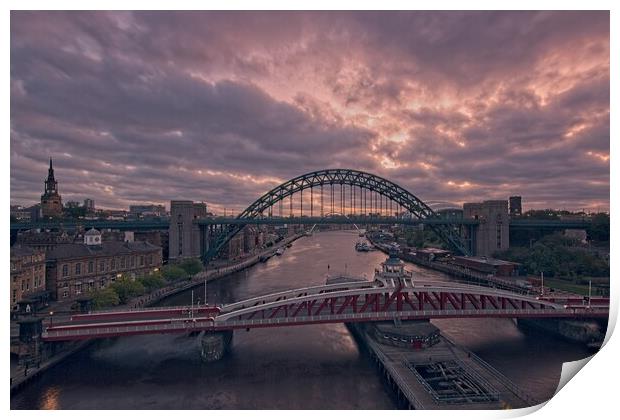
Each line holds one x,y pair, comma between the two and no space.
126,288
599,230
173,272
152,281
557,255
104,298
191,266
73,210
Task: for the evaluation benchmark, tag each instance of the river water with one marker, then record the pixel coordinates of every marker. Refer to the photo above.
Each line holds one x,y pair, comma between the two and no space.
304,367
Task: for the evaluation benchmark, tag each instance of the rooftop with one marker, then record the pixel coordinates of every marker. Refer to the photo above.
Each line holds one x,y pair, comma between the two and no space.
65,251
485,260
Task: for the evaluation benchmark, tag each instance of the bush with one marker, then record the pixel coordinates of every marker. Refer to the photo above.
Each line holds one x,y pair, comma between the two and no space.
191,266
104,298
173,272
152,281
127,288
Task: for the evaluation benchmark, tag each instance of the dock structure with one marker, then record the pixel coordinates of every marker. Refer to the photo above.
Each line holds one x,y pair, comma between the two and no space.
442,376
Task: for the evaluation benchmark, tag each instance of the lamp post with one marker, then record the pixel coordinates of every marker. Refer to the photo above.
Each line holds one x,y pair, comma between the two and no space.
51,319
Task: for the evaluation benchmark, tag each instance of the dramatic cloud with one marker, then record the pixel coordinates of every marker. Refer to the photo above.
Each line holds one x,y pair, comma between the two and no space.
222,106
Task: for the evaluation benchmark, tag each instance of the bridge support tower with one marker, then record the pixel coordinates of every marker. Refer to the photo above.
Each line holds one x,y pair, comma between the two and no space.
184,235
214,345
30,344
492,234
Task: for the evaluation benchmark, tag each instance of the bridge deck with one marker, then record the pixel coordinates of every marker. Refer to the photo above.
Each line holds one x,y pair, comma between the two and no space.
399,362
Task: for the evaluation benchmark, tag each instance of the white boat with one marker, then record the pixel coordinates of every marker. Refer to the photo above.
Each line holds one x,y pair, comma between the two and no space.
362,246
280,251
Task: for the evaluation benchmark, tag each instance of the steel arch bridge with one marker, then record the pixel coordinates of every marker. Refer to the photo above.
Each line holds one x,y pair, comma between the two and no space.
353,178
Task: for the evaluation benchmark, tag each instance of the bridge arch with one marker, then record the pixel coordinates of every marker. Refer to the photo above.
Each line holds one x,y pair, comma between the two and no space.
354,178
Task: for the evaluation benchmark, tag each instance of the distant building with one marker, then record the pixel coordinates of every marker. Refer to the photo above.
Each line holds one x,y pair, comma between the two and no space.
27,275
43,241
89,205
488,265
20,213
515,205
35,212
113,214
146,210
77,268
51,202
492,232
450,213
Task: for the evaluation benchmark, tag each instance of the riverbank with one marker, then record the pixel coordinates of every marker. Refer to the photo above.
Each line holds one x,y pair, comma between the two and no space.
463,274
588,332
20,376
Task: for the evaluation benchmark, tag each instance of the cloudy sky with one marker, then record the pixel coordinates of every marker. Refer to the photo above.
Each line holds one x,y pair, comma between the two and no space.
220,107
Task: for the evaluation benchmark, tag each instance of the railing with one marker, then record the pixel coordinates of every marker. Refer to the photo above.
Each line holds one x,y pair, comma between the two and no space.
388,365
174,323
514,388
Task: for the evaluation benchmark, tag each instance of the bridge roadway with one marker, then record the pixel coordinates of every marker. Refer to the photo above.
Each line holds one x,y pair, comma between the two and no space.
348,300
163,224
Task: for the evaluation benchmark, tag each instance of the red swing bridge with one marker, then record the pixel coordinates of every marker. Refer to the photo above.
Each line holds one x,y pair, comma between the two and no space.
392,295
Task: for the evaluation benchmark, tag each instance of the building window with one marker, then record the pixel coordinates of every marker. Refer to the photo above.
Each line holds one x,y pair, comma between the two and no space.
123,262
102,266
91,266
141,260
113,264
150,260
133,261
78,289
65,270
78,268
65,294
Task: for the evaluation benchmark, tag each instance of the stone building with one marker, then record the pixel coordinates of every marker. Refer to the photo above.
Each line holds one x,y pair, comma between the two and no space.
492,232
183,234
77,268
44,241
51,202
27,274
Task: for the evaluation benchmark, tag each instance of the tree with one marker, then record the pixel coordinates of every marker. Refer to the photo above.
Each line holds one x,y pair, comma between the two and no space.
152,281
126,288
599,230
73,210
173,272
191,266
104,298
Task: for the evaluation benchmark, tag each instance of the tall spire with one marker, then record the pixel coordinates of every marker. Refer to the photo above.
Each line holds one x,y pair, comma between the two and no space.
50,171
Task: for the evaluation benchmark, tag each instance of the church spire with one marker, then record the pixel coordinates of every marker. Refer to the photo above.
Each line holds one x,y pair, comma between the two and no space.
51,203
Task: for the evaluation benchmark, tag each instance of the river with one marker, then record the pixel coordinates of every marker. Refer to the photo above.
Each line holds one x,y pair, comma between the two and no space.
304,367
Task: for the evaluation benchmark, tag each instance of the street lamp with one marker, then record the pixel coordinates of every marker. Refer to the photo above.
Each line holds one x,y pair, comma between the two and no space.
51,319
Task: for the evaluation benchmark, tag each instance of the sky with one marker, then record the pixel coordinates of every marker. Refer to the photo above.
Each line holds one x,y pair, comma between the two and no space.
220,107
